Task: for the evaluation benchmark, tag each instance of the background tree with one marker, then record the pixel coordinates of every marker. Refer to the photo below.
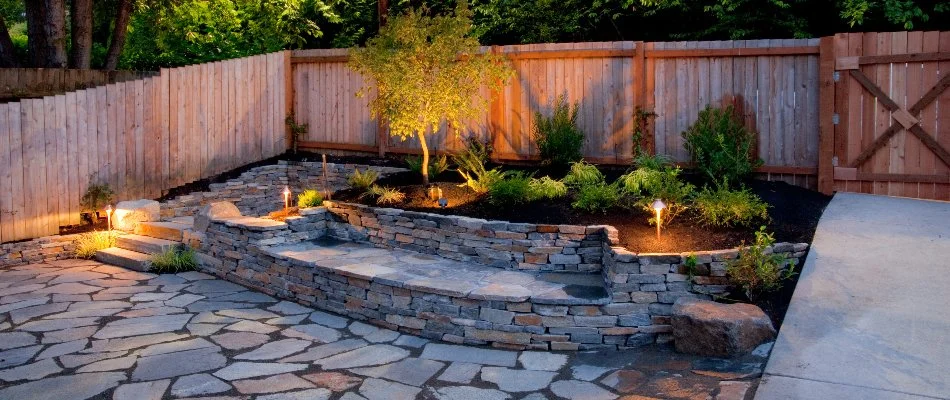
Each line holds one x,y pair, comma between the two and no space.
424,69
80,16
46,29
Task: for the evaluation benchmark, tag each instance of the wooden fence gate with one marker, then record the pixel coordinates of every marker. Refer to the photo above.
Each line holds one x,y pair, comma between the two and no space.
891,114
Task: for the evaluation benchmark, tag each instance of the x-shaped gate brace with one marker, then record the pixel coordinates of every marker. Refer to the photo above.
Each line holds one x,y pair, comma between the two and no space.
905,118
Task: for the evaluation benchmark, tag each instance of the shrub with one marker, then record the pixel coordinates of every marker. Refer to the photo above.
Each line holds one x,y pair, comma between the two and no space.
471,166
558,138
96,197
721,146
362,180
583,174
173,260
514,189
437,165
597,197
656,179
385,195
309,198
757,270
90,242
546,188
724,207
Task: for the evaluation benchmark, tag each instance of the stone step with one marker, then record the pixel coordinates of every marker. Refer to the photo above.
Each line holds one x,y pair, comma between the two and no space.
124,258
162,230
144,244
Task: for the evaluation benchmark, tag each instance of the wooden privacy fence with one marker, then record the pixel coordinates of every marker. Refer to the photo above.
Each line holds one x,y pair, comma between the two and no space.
141,137
773,82
17,83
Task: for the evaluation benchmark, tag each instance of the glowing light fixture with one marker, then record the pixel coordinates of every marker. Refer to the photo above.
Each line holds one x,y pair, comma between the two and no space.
109,216
443,202
658,206
286,197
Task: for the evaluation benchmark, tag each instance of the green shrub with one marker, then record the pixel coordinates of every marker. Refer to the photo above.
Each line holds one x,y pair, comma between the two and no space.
597,197
545,188
558,138
385,195
757,270
90,242
362,180
471,166
514,189
648,184
309,198
97,196
721,146
583,174
724,207
437,165
174,260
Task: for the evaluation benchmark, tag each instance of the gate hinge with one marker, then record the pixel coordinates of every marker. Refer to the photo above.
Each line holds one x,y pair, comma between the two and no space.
834,161
836,119
836,76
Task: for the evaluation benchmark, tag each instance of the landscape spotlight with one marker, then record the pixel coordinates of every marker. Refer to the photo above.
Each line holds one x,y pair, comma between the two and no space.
286,197
658,206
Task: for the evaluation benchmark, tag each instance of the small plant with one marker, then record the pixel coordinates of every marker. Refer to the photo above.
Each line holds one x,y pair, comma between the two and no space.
362,180
297,131
558,138
309,198
641,122
597,197
583,174
96,197
546,188
757,270
385,195
514,189
471,166
725,207
657,179
437,165
90,242
173,260
721,146
690,263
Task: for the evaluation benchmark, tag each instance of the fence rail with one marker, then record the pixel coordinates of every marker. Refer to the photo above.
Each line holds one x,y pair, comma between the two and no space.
19,83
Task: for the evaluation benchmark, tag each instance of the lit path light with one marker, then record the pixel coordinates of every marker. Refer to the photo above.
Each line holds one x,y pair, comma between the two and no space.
658,206
109,217
286,197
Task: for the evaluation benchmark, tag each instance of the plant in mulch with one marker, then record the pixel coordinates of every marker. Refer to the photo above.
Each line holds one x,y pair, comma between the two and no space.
598,197
173,260
656,178
439,165
757,270
557,137
362,180
721,146
284,213
583,174
724,207
97,196
513,190
91,242
471,166
385,195
309,198
545,188
297,131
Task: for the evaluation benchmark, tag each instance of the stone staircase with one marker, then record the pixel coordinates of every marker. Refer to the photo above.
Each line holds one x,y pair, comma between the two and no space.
134,250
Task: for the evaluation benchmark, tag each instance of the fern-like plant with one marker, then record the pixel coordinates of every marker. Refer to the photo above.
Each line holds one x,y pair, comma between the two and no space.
598,197
471,166
309,198
173,260
583,174
725,207
558,138
514,189
758,270
720,145
362,180
545,188
437,165
385,195
656,178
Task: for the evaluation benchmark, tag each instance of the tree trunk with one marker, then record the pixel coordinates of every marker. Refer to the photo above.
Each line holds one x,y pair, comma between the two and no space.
7,55
382,8
46,32
81,22
425,158
119,31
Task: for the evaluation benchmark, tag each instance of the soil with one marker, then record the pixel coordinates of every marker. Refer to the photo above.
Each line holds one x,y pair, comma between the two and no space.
101,225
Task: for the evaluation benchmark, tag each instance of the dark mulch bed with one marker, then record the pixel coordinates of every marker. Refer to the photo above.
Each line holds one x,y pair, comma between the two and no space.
100,225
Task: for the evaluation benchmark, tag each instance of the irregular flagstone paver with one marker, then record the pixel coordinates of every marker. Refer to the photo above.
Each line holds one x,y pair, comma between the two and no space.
57,350
586,372
460,372
179,363
22,315
247,297
104,312
111,364
198,384
351,396
411,371
512,380
23,304
18,356
244,370
312,332
204,305
289,308
69,288
364,356
57,324
150,312
540,361
581,390
250,313
289,320
34,371
445,352
275,350
272,384
251,326
334,381
143,326
77,386
360,329
208,317
330,320
309,394
214,286
381,336
153,390
172,347
77,276
470,393
140,297
204,329
327,350
9,340
624,381
195,275
183,300
378,389
410,341
60,298
240,340
132,342
76,360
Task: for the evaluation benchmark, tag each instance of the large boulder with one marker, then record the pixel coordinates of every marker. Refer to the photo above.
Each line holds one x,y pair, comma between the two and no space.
129,214
215,211
708,328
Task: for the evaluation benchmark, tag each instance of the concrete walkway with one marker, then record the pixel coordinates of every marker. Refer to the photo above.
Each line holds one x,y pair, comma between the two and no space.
870,318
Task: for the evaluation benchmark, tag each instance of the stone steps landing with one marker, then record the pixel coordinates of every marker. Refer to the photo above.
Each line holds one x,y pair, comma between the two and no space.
124,258
145,244
173,231
133,251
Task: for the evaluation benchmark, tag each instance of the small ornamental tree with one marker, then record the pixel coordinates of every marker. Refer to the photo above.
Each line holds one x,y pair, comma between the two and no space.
425,70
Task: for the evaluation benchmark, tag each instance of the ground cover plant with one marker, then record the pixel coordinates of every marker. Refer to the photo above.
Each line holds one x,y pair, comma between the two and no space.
173,260
557,137
309,198
721,146
90,242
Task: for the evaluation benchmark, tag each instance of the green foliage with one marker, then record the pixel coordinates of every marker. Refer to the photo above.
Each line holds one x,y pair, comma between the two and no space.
385,195
173,260
297,131
597,197
583,174
309,198
362,180
721,146
545,188
424,70
471,166
558,138
97,196
90,242
656,178
757,270
725,207
437,165
690,262
514,189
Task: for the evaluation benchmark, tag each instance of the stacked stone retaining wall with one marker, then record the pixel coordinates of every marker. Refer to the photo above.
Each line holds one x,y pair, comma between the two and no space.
38,250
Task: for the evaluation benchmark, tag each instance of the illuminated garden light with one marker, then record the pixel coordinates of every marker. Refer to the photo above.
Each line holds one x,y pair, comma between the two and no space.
658,206
286,197
109,217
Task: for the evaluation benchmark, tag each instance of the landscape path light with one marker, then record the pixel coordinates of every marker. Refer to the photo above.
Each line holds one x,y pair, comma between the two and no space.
286,197
109,217
658,206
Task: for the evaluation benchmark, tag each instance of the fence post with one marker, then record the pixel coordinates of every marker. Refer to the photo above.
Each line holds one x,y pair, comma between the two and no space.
495,113
826,111
289,95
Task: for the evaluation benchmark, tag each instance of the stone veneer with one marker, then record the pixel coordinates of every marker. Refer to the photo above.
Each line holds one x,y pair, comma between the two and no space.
641,288
38,250
257,192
